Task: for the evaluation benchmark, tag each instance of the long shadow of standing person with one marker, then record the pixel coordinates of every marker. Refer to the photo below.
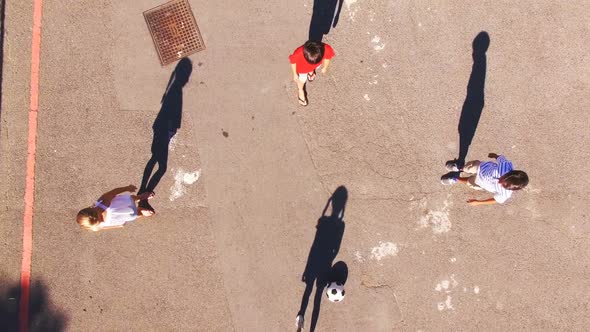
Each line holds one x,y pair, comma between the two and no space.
165,126
325,247
474,101
325,15
41,314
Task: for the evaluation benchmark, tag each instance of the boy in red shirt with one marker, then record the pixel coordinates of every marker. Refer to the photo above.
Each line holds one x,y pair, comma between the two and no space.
305,60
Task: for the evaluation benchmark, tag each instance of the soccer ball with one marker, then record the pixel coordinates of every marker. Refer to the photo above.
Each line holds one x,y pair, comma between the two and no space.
335,291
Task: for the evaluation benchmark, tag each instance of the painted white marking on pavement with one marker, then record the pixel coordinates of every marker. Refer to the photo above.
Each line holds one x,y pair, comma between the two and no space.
438,221
446,285
351,12
446,305
377,45
455,283
172,144
358,256
383,250
181,180
349,3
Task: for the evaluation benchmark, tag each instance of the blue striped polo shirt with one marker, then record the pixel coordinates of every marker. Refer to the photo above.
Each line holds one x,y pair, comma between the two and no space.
489,174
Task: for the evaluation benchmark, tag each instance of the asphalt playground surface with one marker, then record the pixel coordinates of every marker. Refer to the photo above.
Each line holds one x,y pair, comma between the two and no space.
250,171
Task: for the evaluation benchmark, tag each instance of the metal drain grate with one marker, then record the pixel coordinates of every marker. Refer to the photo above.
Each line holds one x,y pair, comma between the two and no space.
174,31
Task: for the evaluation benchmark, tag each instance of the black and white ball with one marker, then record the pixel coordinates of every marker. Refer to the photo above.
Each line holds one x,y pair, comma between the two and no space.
335,291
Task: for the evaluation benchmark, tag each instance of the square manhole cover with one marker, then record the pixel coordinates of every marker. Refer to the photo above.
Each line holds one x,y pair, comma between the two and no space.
174,30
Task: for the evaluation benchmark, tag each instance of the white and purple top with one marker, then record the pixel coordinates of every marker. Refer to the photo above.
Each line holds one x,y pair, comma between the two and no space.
489,174
121,210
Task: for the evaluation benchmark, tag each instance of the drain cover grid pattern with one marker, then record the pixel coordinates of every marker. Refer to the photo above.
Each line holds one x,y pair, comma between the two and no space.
174,31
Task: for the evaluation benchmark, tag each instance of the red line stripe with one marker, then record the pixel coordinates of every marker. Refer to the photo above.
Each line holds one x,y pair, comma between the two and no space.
25,277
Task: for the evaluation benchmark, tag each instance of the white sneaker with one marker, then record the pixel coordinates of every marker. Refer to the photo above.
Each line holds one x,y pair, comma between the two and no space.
449,178
299,322
452,166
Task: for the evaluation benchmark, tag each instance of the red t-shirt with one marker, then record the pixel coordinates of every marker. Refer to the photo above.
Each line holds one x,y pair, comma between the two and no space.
303,66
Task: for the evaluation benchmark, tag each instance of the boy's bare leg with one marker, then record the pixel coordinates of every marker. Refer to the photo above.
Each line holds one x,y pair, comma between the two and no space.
301,91
454,177
471,167
145,209
146,195
470,182
463,180
145,213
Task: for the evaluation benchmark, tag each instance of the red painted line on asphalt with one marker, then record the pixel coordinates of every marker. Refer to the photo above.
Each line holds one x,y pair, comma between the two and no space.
25,276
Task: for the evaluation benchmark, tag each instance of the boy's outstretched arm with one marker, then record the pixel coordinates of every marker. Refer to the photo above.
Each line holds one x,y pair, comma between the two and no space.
294,70
107,197
325,65
111,227
481,202
119,190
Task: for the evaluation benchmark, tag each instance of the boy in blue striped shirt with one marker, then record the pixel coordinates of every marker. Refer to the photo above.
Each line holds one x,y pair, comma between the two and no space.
498,177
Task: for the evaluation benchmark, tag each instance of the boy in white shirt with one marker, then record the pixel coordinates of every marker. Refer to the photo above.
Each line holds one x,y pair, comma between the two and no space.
498,177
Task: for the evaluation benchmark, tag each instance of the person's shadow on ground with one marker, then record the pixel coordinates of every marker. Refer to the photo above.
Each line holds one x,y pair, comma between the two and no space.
165,126
325,16
42,316
474,101
325,247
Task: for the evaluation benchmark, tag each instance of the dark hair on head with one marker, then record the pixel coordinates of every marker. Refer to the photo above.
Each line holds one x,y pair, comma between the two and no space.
515,180
339,197
481,42
183,71
313,51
